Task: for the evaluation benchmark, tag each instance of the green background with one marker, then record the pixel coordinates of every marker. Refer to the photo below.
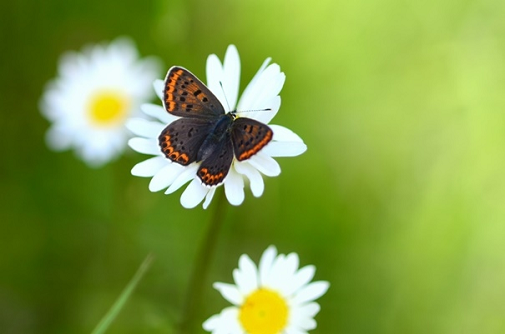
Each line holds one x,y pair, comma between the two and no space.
399,200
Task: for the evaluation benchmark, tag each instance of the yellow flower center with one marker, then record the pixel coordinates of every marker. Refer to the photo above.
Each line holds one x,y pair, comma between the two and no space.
108,108
264,312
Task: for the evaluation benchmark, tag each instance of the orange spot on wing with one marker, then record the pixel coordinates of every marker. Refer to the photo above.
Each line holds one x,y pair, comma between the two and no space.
247,154
183,158
210,179
170,89
171,105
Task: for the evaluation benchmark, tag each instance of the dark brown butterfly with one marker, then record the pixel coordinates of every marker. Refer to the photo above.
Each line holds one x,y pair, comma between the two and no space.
205,132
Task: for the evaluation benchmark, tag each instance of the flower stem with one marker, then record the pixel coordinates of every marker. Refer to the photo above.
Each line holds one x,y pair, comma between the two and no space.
123,297
201,266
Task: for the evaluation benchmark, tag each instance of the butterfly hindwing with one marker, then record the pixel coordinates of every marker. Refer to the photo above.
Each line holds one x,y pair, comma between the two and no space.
181,139
215,167
186,96
249,136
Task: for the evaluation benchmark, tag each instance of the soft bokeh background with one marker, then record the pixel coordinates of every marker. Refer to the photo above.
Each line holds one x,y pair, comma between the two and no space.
399,200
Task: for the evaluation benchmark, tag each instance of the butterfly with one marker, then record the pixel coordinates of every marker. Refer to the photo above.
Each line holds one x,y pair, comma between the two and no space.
205,132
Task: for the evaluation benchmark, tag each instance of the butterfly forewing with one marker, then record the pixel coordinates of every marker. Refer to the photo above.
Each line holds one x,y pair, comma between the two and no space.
215,167
249,136
186,96
180,140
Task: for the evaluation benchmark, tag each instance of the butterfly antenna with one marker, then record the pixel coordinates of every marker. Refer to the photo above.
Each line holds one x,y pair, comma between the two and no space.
255,110
222,88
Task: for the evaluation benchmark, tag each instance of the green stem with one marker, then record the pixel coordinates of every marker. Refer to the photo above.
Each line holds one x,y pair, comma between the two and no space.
201,266
121,301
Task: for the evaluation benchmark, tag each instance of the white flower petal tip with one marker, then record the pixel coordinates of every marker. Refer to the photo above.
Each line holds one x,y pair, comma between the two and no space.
209,197
95,92
149,167
223,323
144,145
277,289
194,194
223,80
285,149
158,86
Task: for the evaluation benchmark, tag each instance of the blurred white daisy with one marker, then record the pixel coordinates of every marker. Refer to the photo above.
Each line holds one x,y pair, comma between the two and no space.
95,92
223,80
275,298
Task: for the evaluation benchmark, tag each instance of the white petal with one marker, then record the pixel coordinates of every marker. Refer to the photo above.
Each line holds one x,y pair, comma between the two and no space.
158,112
212,323
187,174
301,317
286,272
246,276
303,322
266,261
272,82
265,116
159,86
231,75
144,71
215,78
266,88
308,310
300,278
294,330
282,133
165,176
52,104
230,292
209,197
310,292
224,323
213,71
70,64
123,47
95,156
145,146
284,149
149,167
265,164
223,80
275,277
144,128
255,178
244,99
59,138
234,187
194,194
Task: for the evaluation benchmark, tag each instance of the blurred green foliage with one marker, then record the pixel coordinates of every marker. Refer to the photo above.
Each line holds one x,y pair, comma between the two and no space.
399,200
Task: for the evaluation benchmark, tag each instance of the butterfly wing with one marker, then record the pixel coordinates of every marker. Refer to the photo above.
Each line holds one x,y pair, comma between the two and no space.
186,96
249,136
215,167
181,139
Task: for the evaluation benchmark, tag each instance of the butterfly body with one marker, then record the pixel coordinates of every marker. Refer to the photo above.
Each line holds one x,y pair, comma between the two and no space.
205,132
220,132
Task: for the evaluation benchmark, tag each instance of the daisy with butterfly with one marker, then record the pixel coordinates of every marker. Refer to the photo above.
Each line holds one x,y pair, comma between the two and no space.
196,139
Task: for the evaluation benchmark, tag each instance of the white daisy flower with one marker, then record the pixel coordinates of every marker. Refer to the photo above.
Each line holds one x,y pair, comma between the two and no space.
95,92
223,80
275,298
